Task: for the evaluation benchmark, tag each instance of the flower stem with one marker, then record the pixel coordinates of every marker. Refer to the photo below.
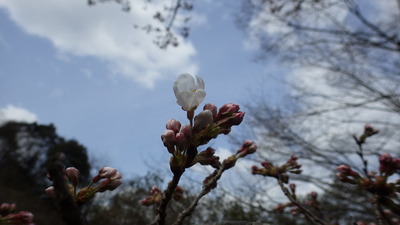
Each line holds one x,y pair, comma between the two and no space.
162,208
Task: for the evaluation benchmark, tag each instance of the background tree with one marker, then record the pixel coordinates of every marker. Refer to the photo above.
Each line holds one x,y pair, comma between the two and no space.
345,61
25,150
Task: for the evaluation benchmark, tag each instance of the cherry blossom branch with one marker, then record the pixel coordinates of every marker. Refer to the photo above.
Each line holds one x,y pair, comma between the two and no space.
161,210
309,215
207,187
248,147
360,153
68,208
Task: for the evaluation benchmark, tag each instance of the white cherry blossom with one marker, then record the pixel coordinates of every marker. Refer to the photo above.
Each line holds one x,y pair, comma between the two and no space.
189,91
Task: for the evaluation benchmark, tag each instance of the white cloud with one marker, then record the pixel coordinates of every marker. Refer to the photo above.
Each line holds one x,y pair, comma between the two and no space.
13,113
106,32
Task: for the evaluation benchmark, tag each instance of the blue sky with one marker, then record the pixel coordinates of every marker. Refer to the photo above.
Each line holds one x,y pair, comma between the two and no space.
98,80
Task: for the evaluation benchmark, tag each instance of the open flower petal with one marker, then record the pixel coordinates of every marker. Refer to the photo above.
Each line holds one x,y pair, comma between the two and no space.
189,91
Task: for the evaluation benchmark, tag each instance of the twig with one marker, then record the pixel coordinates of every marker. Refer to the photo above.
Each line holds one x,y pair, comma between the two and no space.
360,153
206,189
309,215
161,210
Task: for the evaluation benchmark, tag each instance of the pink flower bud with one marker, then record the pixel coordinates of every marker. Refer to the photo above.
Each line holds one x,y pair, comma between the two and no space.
21,217
247,143
248,147
202,120
267,165
180,138
344,169
109,184
187,130
168,138
147,201
73,175
173,125
6,208
114,184
237,118
117,175
228,109
155,190
369,130
212,108
51,192
387,164
105,172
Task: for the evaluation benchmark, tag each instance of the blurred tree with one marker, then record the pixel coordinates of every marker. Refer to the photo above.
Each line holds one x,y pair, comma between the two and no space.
24,153
345,56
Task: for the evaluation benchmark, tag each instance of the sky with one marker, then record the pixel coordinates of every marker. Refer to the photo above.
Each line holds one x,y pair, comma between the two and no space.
86,70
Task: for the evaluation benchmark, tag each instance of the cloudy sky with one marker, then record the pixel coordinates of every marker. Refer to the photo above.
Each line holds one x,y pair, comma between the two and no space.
97,79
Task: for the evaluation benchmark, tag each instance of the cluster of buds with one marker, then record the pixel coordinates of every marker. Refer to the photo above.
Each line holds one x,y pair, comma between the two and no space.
346,174
155,196
248,147
388,165
368,132
8,215
311,202
278,172
376,183
182,141
110,179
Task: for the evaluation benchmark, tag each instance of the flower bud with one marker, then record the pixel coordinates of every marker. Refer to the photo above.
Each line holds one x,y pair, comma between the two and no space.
387,164
267,165
51,192
155,190
109,185
237,118
173,125
148,201
180,138
202,120
178,193
212,108
227,110
187,130
344,169
369,130
73,175
6,208
168,138
248,147
105,172
21,217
